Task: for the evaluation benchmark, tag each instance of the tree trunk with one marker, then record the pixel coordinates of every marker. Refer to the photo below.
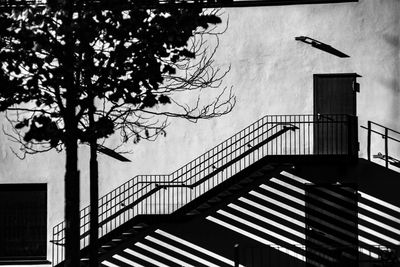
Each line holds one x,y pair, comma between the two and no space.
72,220
94,197
72,216
72,200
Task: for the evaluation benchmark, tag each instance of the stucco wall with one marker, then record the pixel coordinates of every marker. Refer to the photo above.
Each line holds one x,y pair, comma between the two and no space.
271,74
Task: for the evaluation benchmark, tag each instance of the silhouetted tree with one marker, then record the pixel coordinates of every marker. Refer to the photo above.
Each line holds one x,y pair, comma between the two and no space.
82,71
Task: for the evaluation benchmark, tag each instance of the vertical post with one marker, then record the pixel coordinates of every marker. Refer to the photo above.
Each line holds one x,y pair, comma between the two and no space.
236,255
349,135
369,141
352,142
53,251
94,204
355,134
386,148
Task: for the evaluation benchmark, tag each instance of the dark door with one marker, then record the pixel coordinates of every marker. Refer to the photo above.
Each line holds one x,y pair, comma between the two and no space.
23,222
335,93
334,111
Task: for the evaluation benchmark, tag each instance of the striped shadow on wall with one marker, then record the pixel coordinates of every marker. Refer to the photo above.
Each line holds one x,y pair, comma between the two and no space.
345,227
290,223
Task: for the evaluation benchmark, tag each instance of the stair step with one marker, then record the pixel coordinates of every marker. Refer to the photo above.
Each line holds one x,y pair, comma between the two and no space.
214,200
105,248
262,171
267,168
139,226
102,250
246,181
193,212
225,194
204,206
127,233
235,187
84,262
133,231
257,174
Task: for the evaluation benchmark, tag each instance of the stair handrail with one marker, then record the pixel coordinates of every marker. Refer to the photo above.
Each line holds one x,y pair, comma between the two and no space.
158,186
85,211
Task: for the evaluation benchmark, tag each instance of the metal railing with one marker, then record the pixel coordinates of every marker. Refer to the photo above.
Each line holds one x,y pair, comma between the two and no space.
387,135
276,135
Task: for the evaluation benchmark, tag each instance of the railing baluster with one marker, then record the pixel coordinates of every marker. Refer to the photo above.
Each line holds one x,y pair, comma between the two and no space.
285,150
308,134
268,144
369,140
386,148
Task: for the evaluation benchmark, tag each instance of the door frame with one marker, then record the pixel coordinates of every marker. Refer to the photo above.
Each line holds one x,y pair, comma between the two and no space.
352,135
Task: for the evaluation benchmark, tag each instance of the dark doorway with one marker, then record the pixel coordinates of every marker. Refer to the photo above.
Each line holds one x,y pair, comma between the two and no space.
335,112
23,222
331,225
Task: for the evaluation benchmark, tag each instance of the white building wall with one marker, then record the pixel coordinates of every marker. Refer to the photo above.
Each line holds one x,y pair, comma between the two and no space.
271,74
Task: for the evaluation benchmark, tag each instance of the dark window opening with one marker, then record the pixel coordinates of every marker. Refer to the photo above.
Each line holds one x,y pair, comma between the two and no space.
23,221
